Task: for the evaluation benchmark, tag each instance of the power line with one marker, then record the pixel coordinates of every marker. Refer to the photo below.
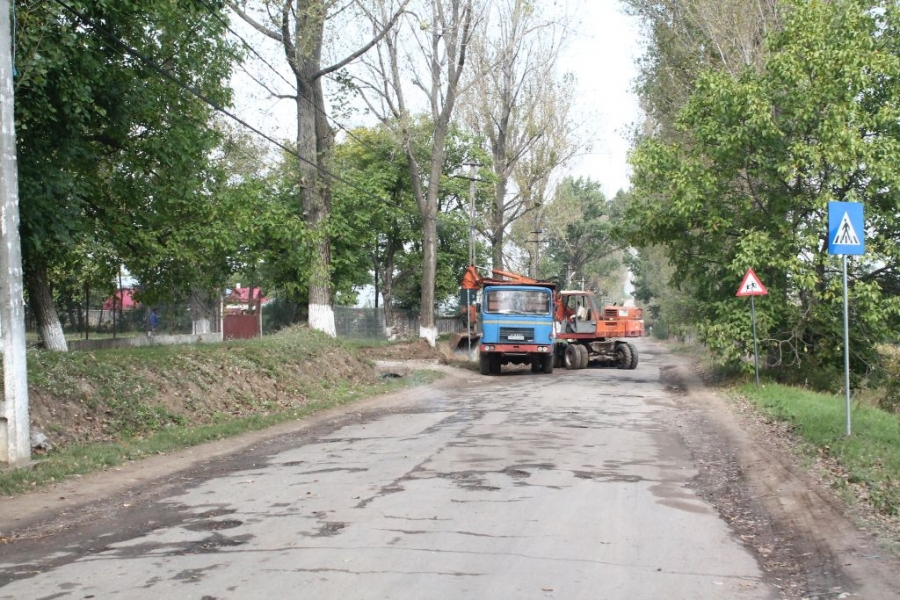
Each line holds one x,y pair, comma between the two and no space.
122,46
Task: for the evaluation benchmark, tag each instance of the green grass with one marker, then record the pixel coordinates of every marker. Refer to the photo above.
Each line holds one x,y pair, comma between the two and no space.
870,456
126,389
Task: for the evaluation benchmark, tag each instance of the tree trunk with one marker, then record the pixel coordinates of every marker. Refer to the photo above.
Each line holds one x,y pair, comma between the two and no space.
314,140
387,291
202,312
497,216
427,330
40,300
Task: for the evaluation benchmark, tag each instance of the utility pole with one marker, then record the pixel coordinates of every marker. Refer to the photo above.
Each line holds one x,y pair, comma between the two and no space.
472,180
15,439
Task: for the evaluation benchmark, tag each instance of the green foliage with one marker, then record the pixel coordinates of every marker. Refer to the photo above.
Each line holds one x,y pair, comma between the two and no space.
579,225
748,185
381,228
114,159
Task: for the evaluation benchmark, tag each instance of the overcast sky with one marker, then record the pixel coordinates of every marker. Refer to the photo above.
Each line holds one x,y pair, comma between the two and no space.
602,56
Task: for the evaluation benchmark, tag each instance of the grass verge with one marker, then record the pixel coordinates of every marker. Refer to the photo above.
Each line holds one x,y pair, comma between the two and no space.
104,408
868,461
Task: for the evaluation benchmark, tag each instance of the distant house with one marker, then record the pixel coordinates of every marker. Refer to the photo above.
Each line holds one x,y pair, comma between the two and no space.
122,299
237,300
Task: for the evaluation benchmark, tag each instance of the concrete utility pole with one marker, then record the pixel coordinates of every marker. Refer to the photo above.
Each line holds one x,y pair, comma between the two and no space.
15,439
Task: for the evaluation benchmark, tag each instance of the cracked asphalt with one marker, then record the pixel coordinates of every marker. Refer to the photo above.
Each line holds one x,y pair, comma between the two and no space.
576,484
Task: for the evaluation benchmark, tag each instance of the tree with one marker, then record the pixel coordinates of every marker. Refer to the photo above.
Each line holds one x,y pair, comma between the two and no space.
578,226
385,221
763,154
106,145
438,35
685,37
299,27
521,108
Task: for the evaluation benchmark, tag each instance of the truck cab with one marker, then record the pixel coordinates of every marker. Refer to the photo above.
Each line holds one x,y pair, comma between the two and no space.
516,323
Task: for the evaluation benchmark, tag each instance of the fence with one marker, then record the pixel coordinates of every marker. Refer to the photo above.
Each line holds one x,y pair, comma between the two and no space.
368,323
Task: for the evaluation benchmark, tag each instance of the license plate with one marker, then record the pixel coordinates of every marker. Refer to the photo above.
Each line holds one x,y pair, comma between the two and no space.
517,336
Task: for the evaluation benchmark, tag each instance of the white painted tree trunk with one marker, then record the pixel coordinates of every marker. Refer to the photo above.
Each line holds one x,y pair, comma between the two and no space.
321,318
429,334
202,326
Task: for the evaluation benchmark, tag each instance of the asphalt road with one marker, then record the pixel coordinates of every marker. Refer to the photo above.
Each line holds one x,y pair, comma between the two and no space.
568,485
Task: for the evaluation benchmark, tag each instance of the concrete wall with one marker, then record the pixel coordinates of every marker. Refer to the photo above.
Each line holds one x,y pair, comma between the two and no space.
143,340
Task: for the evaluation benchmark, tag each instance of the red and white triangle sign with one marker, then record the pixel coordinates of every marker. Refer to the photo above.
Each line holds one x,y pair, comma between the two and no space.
751,285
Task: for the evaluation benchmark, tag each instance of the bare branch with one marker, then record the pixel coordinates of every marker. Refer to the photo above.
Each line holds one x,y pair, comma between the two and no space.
343,63
253,22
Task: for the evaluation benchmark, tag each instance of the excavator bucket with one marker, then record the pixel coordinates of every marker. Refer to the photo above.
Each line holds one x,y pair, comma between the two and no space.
463,343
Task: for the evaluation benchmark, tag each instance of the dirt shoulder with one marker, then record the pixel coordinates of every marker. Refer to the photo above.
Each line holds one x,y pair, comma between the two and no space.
803,535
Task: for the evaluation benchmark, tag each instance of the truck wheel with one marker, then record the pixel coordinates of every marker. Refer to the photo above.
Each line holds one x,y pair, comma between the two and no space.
623,356
634,356
584,355
547,363
484,364
572,358
495,364
536,366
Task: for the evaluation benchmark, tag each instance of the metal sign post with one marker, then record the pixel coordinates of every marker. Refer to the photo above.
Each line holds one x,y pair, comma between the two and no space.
752,286
846,235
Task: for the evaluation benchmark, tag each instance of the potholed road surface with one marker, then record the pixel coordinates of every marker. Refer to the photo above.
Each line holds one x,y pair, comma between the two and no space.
568,485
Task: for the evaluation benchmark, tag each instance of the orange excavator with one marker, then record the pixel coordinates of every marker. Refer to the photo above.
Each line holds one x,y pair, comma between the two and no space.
588,334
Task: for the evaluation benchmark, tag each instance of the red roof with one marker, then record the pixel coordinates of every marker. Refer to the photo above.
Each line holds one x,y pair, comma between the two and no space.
241,295
123,299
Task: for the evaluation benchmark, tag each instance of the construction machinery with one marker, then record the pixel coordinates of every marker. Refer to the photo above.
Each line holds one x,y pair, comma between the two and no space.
587,334
514,319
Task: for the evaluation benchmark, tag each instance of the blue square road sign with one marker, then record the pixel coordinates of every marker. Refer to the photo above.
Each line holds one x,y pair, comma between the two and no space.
846,232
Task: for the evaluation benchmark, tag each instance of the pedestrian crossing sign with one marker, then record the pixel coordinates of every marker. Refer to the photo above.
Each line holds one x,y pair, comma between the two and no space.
846,231
751,285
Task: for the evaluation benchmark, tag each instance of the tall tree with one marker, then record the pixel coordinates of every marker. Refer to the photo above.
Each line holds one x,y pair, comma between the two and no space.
578,226
685,37
520,105
104,141
299,26
762,154
434,39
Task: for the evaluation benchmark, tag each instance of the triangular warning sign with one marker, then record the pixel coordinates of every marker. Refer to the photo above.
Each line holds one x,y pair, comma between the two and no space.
751,285
846,234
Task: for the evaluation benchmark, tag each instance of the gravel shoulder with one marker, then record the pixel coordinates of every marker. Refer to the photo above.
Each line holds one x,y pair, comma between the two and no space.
805,538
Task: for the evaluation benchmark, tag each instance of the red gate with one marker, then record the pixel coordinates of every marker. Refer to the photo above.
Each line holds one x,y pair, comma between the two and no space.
240,327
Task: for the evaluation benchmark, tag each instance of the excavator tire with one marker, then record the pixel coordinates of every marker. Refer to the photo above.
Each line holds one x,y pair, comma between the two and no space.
634,356
624,356
584,355
572,357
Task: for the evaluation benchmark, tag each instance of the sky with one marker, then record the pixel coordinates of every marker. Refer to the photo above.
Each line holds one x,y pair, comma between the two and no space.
602,56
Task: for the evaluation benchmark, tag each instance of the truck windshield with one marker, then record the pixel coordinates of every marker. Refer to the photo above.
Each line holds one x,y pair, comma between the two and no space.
518,302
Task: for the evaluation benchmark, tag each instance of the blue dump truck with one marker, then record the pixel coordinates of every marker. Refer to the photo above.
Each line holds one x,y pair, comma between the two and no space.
510,320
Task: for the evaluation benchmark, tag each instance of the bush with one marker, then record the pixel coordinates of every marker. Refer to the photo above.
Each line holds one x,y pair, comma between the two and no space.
891,399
